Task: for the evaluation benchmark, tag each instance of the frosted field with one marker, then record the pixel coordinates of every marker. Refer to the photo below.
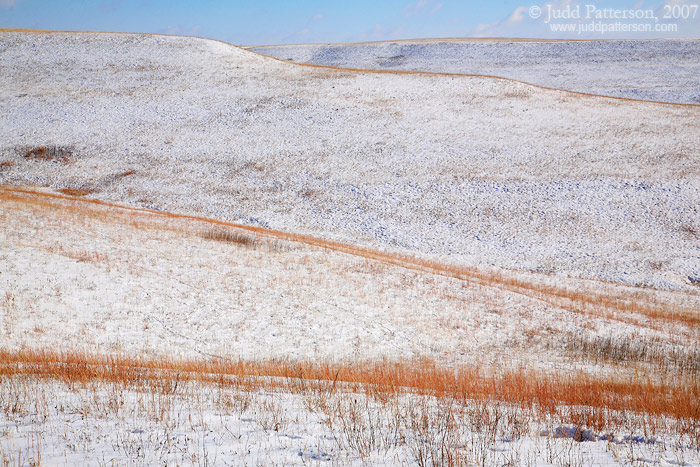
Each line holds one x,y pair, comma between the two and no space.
656,70
461,222
475,170
211,425
115,281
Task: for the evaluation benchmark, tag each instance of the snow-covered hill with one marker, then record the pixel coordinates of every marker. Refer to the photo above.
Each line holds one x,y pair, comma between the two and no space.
656,70
475,170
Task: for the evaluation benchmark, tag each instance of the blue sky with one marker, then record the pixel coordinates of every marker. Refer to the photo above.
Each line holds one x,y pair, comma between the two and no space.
309,21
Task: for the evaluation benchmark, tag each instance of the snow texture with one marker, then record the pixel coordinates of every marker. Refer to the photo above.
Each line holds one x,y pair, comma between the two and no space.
655,70
475,170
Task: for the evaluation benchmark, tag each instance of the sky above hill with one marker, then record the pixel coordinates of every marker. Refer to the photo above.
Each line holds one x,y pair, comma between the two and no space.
310,21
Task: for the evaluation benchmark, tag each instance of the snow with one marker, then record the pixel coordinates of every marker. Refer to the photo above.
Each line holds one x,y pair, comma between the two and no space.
655,70
480,171
588,193
114,281
212,425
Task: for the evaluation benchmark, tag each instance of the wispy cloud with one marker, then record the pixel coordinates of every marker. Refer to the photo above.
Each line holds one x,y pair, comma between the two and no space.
520,23
8,3
437,7
429,6
307,28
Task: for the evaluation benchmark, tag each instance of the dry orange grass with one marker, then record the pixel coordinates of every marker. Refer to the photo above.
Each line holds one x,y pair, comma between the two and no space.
678,398
585,399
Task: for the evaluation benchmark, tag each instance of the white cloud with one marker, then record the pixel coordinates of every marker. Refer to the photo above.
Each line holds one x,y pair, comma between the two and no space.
415,8
306,29
517,16
519,22
376,33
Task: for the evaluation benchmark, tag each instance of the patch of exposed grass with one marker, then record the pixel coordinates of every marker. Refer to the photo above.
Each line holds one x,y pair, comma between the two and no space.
229,236
48,153
678,398
77,191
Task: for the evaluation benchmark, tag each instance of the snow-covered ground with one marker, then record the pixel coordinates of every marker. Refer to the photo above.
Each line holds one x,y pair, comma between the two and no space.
539,187
474,170
656,70
113,281
50,423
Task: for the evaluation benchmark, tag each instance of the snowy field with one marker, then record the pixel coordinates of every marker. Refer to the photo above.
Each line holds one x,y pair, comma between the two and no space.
479,171
655,70
145,285
196,424
347,218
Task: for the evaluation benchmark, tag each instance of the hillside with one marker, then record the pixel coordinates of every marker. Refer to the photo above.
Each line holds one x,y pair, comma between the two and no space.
478,171
213,257
655,70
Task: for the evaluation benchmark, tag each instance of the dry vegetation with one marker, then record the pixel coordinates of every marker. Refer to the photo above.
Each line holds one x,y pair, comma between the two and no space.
679,398
433,415
230,237
48,153
77,191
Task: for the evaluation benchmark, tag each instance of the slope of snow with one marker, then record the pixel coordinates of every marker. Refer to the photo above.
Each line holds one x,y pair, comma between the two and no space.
459,170
655,70
477,170
93,278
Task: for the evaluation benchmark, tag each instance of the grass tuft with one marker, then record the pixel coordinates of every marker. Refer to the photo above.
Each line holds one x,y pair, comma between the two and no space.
48,153
229,236
77,191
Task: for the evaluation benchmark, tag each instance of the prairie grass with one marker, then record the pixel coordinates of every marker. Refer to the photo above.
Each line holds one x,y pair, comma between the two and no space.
126,173
627,350
658,394
678,398
433,415
518,93
230,237
48,153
